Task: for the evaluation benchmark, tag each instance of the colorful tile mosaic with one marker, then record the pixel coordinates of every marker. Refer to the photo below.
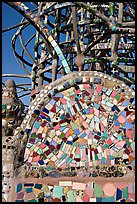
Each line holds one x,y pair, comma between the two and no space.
70,191
84,125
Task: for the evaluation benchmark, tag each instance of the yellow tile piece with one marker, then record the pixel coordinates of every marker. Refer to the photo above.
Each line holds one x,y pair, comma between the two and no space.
45,188
50,38
71,131
37,192
90,116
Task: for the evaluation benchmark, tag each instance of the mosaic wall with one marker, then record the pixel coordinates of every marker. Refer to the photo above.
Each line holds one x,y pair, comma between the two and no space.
69,191
84,125
80,127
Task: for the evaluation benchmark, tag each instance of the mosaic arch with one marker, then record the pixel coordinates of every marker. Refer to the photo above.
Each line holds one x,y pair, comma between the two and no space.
86,120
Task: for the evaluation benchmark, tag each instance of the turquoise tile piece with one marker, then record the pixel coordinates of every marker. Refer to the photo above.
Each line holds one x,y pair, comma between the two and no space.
28,190
57,191
109,199
18,187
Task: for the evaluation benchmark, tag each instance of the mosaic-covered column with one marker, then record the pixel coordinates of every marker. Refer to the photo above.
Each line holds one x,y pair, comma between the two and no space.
12,109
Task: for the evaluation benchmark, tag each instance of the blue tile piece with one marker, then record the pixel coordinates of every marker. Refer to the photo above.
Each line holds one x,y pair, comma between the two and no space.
37,112
83,135
52,93
108,199
66,85
97,80
123,113
133,162
41,162
28,190
61,106
128,125
118,194
103,160
77,132
69,142
38,185
63,117
78,80
96,106
27,131
98,199
54,143
132,100
28,184
47,143
45,110
48,119
87,111
116,123
60,95
52,102
21,8
43,117
125,103
111,157
19,200
123,200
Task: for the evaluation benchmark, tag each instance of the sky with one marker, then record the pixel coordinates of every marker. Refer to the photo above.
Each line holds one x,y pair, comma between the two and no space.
11,17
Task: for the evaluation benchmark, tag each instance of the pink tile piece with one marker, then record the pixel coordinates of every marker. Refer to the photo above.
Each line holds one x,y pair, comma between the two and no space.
78,199
96,112
86,198
89,191
121,119
42,146
30,159
113,94
130,189
36,159
99,88
57,127
129,133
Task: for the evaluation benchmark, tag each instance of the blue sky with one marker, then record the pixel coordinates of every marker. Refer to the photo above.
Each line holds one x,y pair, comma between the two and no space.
11,17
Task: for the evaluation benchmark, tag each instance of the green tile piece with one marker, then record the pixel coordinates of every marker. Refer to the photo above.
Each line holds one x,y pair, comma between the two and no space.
62,135
32,200
106,146
98,192
125,193
117,97
57,191
71,196
3,106
119,137
71,82
74,126
96,157
33,135
39,151
104,136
